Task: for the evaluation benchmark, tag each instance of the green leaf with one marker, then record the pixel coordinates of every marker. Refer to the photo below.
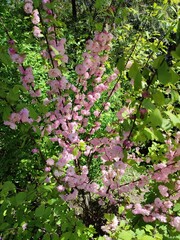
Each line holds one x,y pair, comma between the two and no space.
149,133
156,118
121,64
158,61
99,27
47,212
126,235
13,95
39,212
121,209
176,207
148,104
135,74
166,124
99,4
36,3
32,112
175,95
149,228
174,76
4,56
158,97
46,236
6,113
164,75
52,201
158,135
75,151
109,216
146,237
8,186
66,236
20,197
3,226
176,53
55,236
174,119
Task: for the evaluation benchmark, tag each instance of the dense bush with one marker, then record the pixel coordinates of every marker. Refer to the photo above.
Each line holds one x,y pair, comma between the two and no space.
93,146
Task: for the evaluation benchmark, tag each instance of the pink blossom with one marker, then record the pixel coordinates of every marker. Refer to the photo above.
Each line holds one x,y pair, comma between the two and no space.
80,69
35,19
163,190
17,58
24,113
175,222
47,169
37,31
28,8
54,72
50,162
64,58
158,203
96,113
139,210
60,188
10,124
35,150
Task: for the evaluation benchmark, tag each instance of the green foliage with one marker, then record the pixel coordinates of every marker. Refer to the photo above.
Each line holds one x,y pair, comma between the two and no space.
31,212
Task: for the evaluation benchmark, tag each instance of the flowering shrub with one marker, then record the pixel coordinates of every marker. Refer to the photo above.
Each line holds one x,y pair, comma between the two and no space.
90,168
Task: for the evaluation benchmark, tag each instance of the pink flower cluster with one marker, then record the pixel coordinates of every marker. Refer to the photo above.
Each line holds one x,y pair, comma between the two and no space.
27,74
22,116
28,8
93,64
17,58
